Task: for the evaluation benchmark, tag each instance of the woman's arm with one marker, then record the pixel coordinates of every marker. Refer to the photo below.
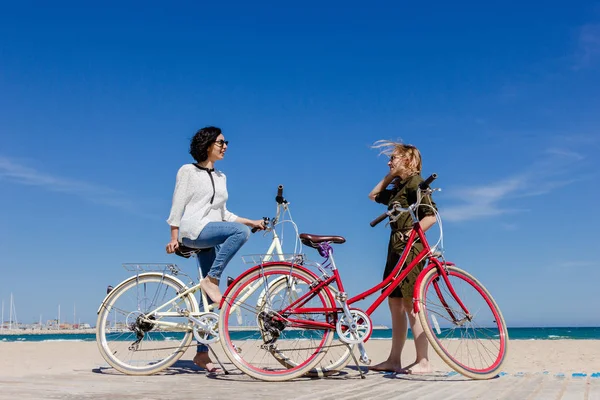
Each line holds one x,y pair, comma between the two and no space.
258,223
381,186
427,222
180,198
174,243
231,217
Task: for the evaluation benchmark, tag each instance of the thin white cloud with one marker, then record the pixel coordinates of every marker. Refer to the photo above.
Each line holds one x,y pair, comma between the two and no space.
18,173
565,153
493,199
483,201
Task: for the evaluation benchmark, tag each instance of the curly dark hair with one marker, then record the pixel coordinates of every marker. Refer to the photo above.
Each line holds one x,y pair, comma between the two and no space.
201,141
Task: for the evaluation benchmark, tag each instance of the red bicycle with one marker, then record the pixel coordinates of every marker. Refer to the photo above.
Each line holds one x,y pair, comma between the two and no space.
287,329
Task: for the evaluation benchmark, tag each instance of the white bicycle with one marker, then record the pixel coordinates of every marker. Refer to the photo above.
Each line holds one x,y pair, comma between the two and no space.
148,321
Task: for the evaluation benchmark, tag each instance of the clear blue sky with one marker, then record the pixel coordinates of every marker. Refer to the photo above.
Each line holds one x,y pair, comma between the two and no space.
97,106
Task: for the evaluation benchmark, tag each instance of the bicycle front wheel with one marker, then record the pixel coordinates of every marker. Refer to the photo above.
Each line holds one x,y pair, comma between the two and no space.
141,329
472,342
261,339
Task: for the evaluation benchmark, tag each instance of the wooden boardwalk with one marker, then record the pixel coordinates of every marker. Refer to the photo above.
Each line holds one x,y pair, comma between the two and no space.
185,381
75,370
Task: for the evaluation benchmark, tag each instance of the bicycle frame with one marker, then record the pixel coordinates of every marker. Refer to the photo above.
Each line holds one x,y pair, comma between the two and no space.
387,285
290,306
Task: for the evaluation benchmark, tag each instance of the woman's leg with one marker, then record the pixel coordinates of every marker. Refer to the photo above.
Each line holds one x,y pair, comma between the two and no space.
206,259
399,332
421,364
399,323
202,358
230,237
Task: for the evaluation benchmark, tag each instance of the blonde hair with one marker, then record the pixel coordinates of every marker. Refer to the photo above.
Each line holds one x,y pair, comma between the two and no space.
411,153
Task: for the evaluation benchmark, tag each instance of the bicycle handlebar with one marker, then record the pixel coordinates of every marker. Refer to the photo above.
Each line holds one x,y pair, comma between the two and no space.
379,219
266,221
279,198
425,184
422,186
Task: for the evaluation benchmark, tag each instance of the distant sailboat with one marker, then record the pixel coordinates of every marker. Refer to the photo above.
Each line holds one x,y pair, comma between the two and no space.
12,312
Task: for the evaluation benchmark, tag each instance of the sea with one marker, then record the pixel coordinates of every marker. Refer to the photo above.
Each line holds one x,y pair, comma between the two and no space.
545,333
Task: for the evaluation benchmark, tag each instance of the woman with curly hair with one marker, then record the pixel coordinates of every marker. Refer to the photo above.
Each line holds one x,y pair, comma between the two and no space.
199,217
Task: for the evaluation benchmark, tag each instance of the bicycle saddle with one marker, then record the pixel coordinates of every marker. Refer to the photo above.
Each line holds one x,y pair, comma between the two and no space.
186,252
314,240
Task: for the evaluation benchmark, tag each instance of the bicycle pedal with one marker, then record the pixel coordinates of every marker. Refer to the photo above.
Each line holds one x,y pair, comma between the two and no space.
365,361
230,280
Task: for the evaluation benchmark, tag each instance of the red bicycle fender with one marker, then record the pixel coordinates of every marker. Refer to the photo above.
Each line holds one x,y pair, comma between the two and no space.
431,265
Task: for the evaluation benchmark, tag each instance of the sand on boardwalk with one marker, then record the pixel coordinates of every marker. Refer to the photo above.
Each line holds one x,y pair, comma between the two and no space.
20,359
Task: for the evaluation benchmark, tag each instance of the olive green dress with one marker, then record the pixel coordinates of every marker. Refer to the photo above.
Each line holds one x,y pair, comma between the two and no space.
404,192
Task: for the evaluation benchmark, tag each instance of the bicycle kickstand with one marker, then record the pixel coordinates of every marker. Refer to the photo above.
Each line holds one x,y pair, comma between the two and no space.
363,358
218,360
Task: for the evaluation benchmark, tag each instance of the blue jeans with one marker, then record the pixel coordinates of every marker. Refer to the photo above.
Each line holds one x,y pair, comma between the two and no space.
226,237
223,239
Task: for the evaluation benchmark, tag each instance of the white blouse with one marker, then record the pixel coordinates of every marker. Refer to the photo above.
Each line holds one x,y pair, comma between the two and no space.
196,202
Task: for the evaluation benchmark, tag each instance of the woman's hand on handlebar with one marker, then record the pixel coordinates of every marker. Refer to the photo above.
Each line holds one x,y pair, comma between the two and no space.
172,246
257,225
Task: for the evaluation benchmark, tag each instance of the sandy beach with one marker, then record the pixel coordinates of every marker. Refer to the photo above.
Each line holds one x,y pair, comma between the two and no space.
557,368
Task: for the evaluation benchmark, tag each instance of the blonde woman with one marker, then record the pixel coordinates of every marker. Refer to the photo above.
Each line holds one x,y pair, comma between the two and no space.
401,185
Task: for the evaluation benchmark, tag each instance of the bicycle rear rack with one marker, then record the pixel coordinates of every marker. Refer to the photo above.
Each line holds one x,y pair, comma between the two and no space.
256,259
172,269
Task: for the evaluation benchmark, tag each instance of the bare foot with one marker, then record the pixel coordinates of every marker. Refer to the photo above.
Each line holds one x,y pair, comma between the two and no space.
422,367
210,286
388,366
202,360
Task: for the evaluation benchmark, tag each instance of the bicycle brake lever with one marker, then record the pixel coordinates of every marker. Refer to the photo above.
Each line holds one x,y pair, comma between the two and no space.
266,221
393,218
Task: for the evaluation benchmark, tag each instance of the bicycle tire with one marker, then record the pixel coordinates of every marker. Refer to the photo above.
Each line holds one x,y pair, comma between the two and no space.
456,343
254,342
157,348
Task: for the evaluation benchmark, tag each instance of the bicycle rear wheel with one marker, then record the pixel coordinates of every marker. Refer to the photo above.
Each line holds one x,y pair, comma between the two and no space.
473,344
259,339
136,341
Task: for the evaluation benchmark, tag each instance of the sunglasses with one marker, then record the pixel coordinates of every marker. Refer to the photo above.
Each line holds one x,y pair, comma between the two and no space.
221,142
